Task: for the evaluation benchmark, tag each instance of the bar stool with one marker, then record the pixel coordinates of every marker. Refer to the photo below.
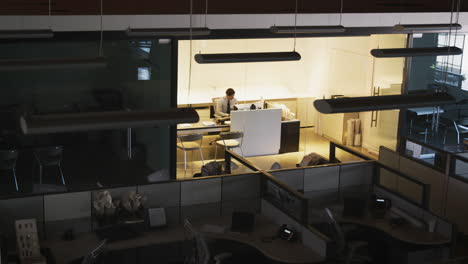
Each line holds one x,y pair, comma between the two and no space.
48,157
8,160
230,140
189,143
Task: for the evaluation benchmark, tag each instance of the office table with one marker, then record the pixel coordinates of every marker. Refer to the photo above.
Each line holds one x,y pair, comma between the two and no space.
201,128
404,233
278,250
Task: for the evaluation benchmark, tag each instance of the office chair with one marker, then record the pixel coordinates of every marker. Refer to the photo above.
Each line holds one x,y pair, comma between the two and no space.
8,160
200,252
189,143
230,140
342,246
214,106
48,157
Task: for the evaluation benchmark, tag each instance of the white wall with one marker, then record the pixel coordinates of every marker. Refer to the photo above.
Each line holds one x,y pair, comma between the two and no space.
328,66
121,22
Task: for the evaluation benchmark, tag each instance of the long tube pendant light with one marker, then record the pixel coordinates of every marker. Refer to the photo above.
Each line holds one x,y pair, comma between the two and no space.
167,32
414,52
247,57
45,64
307,29
425,28
74,122
26,34
384,102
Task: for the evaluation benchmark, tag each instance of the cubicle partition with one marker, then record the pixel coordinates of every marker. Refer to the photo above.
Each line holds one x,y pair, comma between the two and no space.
407,187
457,188
435,178
444,172
285,205
194,199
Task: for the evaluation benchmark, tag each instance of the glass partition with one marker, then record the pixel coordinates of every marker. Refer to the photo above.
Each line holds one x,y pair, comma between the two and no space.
329,67
444,126
135,75
285,198
460,166
408,187
426,153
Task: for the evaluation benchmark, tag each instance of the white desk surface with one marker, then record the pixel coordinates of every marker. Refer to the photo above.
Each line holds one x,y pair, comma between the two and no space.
279,250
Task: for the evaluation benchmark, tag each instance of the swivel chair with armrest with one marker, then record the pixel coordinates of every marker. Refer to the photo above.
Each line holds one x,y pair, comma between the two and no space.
213,107
345,250
200,252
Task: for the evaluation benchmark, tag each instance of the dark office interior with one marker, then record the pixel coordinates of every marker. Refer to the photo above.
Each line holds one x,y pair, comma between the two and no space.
199,132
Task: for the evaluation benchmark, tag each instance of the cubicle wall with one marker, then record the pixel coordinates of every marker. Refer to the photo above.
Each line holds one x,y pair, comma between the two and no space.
203,197
448,186
328,181
457,191
436,179
284,205
325,185
442,226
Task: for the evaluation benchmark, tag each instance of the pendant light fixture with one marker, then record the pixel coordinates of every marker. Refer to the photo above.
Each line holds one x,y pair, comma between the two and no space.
309,29
426,28
30,33
247,57
384,102
26,34
47,64
166,32
415,52
74,122
59,63
426,51
251,56
170,32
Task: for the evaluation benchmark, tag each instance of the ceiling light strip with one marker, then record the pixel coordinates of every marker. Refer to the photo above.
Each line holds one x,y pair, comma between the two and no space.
74,122
384,102
414,52
247,57
166,32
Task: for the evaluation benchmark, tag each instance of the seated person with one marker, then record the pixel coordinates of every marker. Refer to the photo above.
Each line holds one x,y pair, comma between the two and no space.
226,104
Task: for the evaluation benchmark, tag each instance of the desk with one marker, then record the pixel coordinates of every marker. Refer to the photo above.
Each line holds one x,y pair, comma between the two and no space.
278,250
405,233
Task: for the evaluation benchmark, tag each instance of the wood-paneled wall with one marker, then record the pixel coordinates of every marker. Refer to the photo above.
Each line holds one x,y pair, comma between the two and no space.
89,7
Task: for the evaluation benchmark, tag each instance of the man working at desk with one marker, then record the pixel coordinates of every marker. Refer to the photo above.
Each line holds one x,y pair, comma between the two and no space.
226,104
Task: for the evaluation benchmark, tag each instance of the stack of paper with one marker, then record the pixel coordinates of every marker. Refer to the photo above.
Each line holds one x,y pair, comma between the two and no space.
185,125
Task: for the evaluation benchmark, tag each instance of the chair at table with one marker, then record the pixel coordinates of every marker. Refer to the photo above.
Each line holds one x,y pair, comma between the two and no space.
460,129
213,107
49,157
190,143
345,251
8,160
229,140
200,251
